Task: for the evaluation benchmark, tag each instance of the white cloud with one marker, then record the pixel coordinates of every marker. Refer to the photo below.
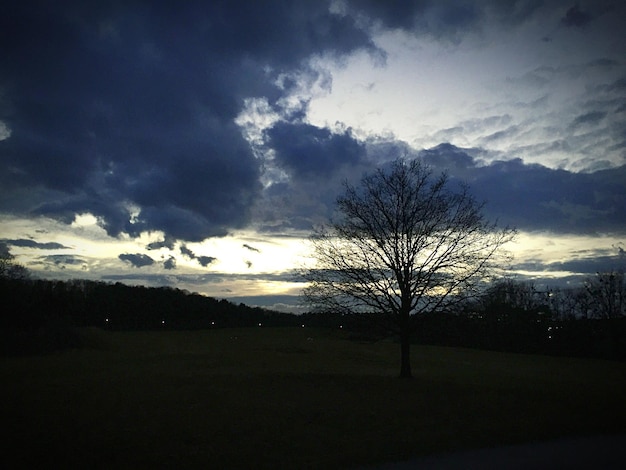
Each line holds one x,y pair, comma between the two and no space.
507,91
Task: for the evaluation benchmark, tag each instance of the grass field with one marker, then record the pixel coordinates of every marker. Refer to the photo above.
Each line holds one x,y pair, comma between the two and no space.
289,398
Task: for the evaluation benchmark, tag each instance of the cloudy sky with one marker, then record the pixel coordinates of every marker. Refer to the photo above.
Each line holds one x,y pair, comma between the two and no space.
195,144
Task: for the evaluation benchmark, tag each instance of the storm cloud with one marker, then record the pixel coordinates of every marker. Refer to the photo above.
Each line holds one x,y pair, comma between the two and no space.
134,121
535,197
307,150
126,111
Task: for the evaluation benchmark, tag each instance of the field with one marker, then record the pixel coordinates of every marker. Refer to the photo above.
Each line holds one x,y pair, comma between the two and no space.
288,398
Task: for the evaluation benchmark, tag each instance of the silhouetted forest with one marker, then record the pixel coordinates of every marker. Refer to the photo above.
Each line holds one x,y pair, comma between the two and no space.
42,316
585,321
512,331
48,311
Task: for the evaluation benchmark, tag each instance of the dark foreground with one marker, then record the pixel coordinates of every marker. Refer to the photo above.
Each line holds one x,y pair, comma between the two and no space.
582,453
296,398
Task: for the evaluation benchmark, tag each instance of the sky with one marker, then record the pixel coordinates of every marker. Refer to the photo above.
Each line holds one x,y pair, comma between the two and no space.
196,144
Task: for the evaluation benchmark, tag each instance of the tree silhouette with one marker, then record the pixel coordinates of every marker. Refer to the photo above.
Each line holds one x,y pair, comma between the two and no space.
405,244
607,292
9,268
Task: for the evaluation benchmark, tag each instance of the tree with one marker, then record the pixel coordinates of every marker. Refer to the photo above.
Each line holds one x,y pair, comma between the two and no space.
509,296
406,243
9,268
607,293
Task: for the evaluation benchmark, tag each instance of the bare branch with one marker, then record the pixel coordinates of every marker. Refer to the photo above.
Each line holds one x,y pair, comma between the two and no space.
406,244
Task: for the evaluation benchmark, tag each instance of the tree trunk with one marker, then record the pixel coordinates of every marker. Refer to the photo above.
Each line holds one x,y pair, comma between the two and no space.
405,355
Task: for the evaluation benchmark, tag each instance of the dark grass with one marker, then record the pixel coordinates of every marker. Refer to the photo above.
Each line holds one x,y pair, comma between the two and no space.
274,398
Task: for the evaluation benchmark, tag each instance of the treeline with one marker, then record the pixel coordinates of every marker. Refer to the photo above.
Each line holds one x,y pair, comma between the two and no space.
589,321
117,306
43,314
584,321
505,331
524,332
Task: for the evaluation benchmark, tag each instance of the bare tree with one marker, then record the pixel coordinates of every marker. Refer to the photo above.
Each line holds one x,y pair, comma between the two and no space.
9,268
607,294
405,244
508,294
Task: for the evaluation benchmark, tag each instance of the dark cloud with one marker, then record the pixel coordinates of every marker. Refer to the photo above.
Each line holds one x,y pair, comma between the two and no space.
60,261
446,21
516,11
187,252
618,85
166,243
399,14
534,197
590,118
319,162
170,263
439,19
448,156
576,17
309,151
125,110
203,260
138,260
527,196
27,243
251,248
583,266
604,63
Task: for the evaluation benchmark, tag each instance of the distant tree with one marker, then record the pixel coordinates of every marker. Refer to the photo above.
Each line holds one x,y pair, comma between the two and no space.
569,303
9,268
607,292
510,296
406,243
